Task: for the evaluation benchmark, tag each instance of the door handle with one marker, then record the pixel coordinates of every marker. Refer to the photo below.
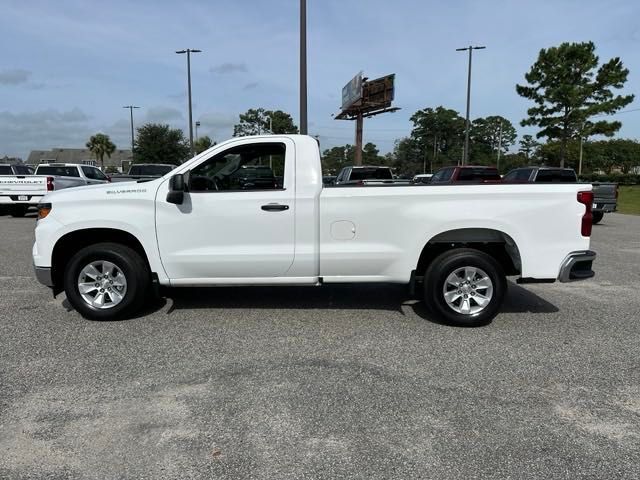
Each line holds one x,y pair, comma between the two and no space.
274,207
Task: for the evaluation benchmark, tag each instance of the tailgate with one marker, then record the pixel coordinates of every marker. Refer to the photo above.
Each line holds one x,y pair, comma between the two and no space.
605,191
23,184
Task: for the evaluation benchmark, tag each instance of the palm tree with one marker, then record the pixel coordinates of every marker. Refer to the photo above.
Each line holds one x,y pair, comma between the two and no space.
101,145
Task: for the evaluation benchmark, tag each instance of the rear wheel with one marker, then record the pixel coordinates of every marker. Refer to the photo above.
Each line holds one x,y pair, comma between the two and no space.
18,210
597,216
465,287
106,281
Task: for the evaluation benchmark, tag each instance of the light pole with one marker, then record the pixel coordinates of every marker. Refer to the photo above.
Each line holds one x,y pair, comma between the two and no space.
131,107
303,67
197,125
189,51
465,157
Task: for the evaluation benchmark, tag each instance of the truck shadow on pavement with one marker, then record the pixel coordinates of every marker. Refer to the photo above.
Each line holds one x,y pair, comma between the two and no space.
340,297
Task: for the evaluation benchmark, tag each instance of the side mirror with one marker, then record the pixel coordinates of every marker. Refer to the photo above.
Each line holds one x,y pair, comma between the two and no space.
176,189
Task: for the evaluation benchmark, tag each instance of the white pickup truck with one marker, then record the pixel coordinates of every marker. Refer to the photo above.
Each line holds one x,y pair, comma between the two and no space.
22,190
106,245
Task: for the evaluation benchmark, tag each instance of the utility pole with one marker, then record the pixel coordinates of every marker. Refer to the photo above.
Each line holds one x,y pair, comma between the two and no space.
499,146
189,51
197,125
435,152
131,107
465,155
303,67
358,153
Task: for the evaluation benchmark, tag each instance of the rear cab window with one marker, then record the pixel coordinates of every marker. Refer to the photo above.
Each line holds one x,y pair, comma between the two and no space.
58,171
374,173
478,174
556,176
5,170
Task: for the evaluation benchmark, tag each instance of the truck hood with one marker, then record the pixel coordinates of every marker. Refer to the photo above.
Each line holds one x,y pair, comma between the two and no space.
102,191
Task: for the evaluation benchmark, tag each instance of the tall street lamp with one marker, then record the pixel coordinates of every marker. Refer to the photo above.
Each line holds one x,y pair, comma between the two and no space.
131,107
465,158
189,51
303,67
197,125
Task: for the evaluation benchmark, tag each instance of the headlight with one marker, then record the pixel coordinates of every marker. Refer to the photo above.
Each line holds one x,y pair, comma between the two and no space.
43,210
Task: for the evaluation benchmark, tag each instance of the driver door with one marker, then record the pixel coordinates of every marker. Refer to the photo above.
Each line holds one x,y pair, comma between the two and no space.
236,220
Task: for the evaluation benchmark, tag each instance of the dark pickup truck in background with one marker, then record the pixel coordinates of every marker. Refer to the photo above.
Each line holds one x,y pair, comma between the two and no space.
605,194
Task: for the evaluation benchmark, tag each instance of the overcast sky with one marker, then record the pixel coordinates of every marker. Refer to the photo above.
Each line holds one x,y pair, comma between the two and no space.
68,67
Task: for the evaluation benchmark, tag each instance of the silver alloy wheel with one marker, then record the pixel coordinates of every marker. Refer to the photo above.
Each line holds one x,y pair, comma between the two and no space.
102,284
468,290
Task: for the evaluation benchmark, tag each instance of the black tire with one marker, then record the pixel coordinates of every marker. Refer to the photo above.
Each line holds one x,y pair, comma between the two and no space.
597,216
447,263
18,211
131,264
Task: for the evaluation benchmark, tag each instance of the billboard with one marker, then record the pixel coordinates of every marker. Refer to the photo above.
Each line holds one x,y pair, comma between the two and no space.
352,91
378,93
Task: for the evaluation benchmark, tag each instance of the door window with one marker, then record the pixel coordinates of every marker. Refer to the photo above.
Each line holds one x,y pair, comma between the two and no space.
93,173
246,167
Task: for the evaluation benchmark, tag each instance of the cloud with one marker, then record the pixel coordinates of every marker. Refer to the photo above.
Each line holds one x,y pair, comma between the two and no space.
25,131
250,86
225,68
163,114
14,77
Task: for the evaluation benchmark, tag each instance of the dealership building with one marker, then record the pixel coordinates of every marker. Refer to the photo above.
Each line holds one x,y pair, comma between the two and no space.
120,159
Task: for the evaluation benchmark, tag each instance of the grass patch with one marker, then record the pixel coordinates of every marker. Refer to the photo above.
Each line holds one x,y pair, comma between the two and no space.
629,199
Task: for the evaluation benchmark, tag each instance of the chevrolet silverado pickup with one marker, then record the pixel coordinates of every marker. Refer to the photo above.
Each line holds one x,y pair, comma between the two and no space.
18,192
106,246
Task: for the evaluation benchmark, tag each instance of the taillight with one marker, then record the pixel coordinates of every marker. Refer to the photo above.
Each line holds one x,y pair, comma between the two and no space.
49,184
586,198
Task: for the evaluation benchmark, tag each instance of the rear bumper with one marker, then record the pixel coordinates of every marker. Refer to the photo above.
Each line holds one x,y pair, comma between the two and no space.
603,206
43,274
577,266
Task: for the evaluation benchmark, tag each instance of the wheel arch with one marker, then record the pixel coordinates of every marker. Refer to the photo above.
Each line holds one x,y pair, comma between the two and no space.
73,241
496,243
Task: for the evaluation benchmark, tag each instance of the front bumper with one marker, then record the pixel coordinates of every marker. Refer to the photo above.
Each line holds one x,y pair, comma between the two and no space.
43,274
577,266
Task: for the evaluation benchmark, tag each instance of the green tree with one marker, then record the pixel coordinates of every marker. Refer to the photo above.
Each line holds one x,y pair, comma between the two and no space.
256,121
440,127
607,155
203,143
101,145
528,147
156,143
371,155
568,89
486,135
335,158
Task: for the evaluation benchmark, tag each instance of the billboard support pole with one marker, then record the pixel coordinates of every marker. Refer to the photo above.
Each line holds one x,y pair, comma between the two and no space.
358,152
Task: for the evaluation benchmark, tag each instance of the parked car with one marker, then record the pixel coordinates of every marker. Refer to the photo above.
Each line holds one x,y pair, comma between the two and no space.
15,169
144,171
466,174
605,194
328,180
72,174
105,246
19,192
422,178
364,175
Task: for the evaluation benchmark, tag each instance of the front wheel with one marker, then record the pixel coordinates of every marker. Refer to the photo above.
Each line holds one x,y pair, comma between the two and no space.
597,216
465,287
106,281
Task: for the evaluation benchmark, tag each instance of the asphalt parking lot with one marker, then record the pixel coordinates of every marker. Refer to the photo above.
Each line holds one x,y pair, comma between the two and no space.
332,382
